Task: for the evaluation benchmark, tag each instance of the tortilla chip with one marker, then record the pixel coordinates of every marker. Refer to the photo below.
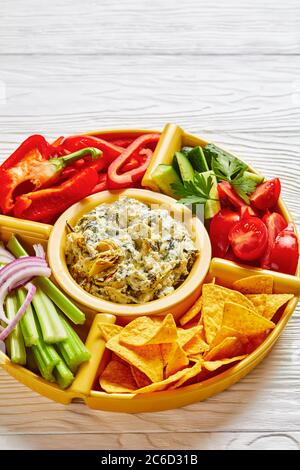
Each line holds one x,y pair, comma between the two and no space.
245,321
196,357
259,301
144,331
270,303
178,360
213,300
229,347
259,284
163,384
117,378
214,365
146,358
141,379
191,313
189,374
108,330
196,345
184,336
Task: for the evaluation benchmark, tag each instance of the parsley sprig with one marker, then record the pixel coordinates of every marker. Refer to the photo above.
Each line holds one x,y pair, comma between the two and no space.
195,191
229,168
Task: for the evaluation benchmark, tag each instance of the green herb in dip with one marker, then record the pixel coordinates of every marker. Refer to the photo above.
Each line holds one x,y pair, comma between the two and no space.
129,253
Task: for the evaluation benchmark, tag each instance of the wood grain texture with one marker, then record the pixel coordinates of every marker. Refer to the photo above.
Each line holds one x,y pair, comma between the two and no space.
140,27
228,71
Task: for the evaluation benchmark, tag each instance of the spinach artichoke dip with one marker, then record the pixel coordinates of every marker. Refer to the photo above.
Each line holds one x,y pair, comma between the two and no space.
129,253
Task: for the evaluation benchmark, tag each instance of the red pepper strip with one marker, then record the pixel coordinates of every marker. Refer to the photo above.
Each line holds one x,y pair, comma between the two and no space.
58,141
33,173
35,143
102,183
117,180
78,142
46,205
122,142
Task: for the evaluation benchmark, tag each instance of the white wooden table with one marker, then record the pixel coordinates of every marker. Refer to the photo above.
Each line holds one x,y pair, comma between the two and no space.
227,70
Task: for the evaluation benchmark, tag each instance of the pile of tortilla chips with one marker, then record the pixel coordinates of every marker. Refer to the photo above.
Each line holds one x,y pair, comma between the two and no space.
222,327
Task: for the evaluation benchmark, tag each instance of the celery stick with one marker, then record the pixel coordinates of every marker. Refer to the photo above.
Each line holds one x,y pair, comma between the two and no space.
45,355
50,289
63,375
42,364
30,361
27,322
75,338
72,349
15,341
51,325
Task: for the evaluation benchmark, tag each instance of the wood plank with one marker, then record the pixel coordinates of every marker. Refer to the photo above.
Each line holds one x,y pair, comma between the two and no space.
143,27
153,441
227,100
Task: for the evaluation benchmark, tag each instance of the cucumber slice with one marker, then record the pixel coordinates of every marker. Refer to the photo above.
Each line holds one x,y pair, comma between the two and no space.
198,160
254,177
183,167
164,176
212,207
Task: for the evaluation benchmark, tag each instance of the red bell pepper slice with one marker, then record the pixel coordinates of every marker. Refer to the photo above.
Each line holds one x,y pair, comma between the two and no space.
34,172
102,184
116,179
284,256
35,144
46,205
78,142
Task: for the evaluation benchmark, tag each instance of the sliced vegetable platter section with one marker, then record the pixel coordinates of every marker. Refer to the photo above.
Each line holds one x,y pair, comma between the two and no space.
43,331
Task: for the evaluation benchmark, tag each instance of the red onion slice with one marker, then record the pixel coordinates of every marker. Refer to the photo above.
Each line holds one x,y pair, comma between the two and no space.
18,264
26,272
39,250
13,323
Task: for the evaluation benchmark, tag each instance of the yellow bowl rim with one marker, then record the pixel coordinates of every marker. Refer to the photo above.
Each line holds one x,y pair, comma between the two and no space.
155,307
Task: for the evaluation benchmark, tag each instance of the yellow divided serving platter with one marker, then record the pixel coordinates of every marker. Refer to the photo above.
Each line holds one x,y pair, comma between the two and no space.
84,386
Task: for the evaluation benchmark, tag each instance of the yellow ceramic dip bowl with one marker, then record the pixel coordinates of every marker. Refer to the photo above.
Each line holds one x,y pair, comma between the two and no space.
177,302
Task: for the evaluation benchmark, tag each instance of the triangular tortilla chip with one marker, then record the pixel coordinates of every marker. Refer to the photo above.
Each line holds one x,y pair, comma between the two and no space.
258,284
184,336
196,345
213,299
163,384
229,347
146,358
177,360
190,373
214,365
259,301
245,321
191,313
108,330
141,379
117,378
144,331
270,303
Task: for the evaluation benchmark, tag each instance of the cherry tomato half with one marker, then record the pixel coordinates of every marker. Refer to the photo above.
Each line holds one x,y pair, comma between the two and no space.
284,255
274,223
220,226
249,238
228,196
247,211
266,195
